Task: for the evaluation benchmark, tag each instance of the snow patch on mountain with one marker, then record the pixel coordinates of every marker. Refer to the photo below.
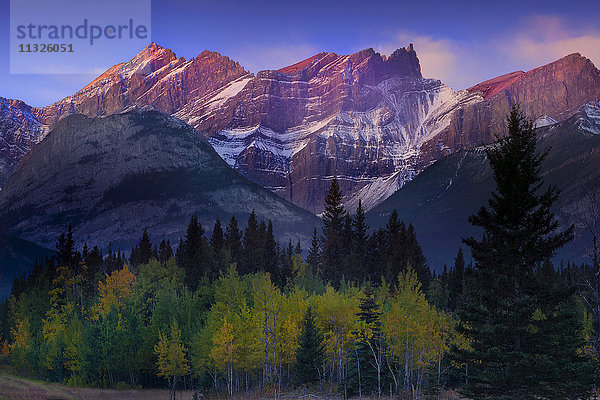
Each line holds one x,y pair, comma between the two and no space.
544,120
589,119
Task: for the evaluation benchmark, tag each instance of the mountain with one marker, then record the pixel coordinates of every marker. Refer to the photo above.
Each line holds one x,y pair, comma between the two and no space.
154,77
360,117
19,131
373,121
441,198
111,177
553,92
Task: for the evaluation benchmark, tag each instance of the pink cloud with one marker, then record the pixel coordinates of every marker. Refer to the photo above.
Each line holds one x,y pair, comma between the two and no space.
547,38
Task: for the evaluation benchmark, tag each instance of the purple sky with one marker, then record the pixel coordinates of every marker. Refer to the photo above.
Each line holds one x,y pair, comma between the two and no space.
459,42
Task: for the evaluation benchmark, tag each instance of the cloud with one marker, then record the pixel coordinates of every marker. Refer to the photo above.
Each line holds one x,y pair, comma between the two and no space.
541,39
547,38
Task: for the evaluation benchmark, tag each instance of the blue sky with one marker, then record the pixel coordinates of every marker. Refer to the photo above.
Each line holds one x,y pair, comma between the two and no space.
459,42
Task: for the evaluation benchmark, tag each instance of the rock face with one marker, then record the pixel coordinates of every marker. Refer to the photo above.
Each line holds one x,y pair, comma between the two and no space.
553,92
360,117
19,131
372,121
112,177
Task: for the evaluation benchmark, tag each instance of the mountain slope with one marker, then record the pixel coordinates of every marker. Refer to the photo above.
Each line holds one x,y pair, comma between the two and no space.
440,199
112,177
19,131
360,117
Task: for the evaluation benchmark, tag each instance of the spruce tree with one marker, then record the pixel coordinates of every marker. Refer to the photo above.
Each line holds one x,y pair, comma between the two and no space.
270,251
504,314
456,279
194,256
314,254
367,373
233,241
310,355
144,249
251,252
217,241
164,251
334,219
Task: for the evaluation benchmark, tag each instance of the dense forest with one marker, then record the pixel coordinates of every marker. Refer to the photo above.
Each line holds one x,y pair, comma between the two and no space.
230,310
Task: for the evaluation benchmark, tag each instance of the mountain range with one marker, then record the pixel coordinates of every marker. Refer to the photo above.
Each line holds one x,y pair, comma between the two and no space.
372,121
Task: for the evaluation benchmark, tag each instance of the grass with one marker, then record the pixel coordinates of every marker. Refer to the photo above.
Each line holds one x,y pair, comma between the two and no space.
17,388
13,387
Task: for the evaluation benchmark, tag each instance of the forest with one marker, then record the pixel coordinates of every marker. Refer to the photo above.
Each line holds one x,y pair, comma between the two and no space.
229,310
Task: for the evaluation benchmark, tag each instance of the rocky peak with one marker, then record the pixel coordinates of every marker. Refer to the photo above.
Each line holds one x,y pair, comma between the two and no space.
405,61
154,77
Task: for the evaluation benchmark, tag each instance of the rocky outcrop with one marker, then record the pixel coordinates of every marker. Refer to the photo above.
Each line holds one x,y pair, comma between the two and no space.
154,77
360,117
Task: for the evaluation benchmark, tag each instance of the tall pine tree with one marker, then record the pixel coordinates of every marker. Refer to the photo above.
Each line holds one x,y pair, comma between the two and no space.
513,349
334,220
310,355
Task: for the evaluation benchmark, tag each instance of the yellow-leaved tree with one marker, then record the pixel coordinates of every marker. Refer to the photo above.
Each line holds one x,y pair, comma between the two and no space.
21,334
114,292
171,359
223,351
417,334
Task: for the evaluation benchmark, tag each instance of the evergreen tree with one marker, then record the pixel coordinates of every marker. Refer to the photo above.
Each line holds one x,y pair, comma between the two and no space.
251,258
298,249
456,279
217,240
195,258
165,252
415,257
367,372
334,219
314,254
142,253
270,251
513,348
65,248
233,241
360,236
310,355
